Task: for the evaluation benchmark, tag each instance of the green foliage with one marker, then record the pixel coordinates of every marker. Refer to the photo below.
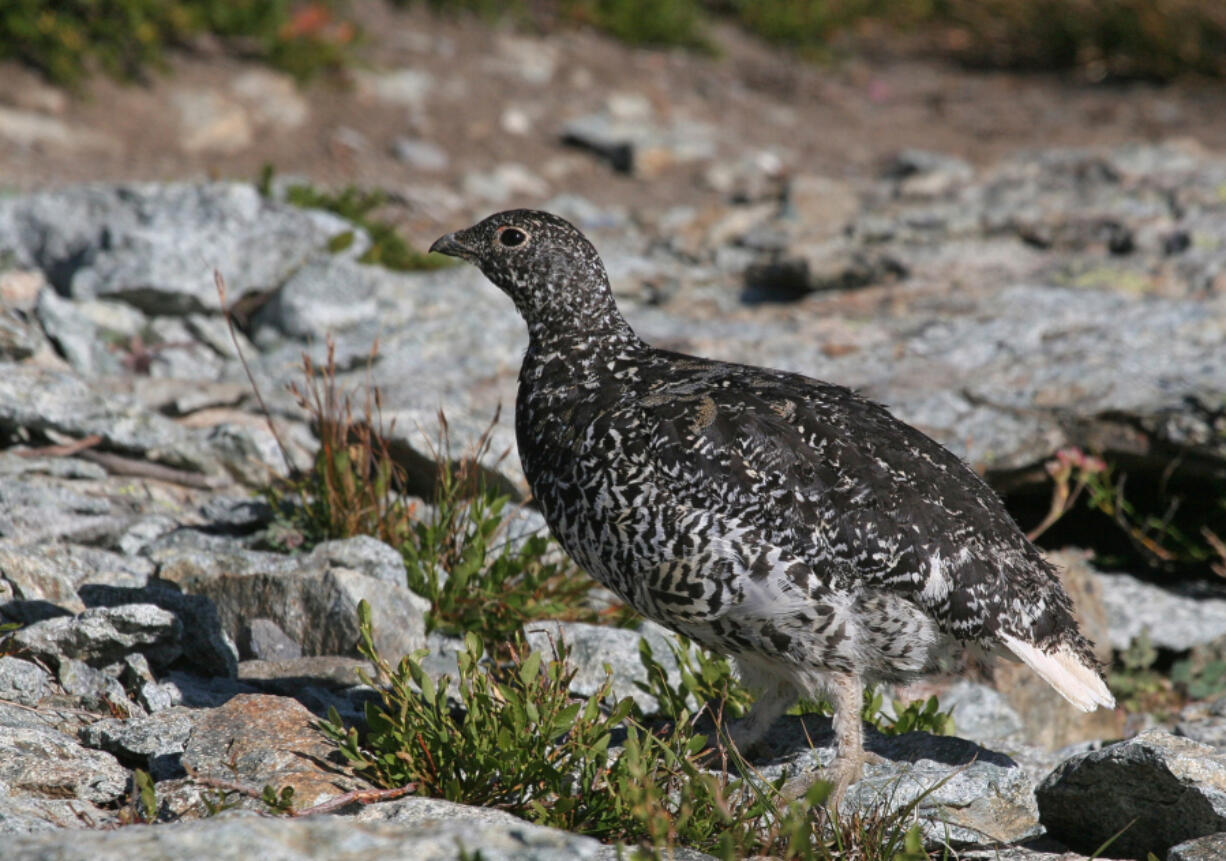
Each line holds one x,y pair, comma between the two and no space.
281,803
7,629
510,735
708,679
802,24
1136,682
144,797
66,39
387,247
1201,675
659,23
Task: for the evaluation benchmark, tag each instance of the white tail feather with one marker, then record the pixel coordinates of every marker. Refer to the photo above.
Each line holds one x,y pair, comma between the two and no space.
1065,671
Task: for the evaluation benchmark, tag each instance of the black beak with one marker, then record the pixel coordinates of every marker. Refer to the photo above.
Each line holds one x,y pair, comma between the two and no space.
451,245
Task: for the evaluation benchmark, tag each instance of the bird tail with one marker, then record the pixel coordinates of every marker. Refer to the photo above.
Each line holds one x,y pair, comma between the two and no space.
1074,676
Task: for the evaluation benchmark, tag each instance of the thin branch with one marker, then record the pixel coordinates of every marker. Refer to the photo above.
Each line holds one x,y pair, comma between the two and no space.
229,318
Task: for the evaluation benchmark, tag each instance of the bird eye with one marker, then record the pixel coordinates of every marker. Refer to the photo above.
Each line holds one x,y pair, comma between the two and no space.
510,237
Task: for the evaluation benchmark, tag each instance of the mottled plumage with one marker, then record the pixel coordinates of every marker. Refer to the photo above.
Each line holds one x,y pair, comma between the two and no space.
786,522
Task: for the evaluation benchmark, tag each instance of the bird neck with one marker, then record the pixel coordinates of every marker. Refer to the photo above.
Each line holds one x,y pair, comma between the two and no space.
579,320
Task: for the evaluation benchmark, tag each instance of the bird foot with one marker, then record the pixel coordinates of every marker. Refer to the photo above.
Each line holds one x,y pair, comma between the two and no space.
841,774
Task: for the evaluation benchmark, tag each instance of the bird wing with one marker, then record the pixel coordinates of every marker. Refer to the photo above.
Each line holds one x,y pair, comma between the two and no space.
861,497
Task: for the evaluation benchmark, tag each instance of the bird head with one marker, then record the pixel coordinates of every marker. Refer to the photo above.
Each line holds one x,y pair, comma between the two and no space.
549,269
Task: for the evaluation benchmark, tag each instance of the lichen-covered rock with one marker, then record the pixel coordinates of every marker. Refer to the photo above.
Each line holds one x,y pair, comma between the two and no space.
22,681
963,793
43,763
236,837
102,635
1156,789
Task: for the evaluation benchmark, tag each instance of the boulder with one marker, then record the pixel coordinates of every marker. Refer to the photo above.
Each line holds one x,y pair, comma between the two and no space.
1156,789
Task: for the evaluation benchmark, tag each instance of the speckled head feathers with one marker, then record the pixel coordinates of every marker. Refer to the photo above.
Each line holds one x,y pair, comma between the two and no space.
548,268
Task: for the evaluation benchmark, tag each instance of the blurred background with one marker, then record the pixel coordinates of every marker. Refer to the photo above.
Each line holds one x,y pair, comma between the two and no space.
459,107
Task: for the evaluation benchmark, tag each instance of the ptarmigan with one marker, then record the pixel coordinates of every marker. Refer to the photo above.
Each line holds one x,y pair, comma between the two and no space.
787,523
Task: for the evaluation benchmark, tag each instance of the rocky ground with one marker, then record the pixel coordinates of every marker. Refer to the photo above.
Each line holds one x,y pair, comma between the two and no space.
1010,299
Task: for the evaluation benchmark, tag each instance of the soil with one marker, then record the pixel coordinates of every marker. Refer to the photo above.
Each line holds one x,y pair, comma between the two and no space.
839,119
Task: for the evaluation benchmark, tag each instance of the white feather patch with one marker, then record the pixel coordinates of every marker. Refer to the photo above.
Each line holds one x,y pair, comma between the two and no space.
936,587
1066,672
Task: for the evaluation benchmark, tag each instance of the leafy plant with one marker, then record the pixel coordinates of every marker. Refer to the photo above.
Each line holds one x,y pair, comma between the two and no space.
67,39
1137,684
510,735
708,679
353,487
387,247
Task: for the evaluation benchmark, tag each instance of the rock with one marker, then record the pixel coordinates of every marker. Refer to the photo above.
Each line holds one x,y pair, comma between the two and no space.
370,556
982,714
503,183
1206,725
205,643
1169,619
1171,789
974,795
924,174
420,155
45,400
601,653
156,246
69,567
263,639
635,145
18,340
75,336
822,206
406,87
261,740
271,98
33,510
234,836
103,635
93,689
310,598
22,681
1209,848
22,815
153,743
308,306
211,122
30,129
42,763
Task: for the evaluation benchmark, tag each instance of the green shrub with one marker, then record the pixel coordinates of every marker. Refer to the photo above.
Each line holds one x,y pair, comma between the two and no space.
708,679
66,39
510,735
361,206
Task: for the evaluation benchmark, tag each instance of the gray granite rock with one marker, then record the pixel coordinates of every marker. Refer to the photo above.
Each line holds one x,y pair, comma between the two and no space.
1209,848
152,743
46,400
155,246
43,763
309,306
32,509
263,639
75,336
366,555
1170,789
981,714
102,635
206,643
309,597
964,793
93,689
235,836
24,815
22,681
1171,620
